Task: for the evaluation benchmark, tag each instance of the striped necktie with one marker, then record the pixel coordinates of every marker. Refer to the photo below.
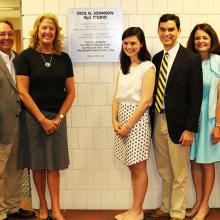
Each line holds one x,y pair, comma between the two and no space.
161,84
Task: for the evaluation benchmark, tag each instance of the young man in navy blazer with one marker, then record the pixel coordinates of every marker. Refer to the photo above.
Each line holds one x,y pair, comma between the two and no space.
177,122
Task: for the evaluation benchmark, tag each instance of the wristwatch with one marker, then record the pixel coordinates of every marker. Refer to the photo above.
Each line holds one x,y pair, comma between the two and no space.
61,116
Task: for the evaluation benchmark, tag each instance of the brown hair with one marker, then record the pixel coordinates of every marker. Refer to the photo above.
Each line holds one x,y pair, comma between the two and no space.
170,17
57,43
215,46
143,54
8,23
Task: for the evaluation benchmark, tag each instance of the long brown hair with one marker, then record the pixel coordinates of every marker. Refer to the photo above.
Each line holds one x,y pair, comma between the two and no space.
143,55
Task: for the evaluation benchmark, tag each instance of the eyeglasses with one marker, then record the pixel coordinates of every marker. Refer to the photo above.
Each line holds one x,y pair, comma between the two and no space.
9,34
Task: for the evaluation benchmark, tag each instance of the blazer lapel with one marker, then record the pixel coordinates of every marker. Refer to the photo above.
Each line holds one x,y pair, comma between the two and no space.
176,65
6,72
158,63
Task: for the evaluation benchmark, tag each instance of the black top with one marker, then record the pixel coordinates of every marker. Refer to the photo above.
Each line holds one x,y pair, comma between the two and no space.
47,84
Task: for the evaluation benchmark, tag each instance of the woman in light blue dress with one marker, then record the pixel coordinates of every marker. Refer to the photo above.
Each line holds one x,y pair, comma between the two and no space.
205,150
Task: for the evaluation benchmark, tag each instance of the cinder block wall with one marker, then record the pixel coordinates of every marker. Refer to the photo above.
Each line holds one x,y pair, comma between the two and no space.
95,180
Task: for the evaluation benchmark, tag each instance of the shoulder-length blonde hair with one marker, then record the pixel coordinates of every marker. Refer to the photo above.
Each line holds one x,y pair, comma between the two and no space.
57,43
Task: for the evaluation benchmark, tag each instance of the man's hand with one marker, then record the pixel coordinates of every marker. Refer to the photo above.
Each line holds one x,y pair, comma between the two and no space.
186,138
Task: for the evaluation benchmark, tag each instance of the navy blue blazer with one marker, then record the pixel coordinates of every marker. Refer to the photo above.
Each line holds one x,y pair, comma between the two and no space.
183,93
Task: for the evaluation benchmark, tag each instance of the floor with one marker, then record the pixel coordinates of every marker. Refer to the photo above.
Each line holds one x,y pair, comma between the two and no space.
214,214
109,215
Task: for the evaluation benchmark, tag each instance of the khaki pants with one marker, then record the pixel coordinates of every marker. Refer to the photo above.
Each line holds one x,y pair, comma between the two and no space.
172,163
10,180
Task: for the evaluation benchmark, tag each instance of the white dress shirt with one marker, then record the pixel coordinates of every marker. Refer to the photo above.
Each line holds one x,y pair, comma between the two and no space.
8,59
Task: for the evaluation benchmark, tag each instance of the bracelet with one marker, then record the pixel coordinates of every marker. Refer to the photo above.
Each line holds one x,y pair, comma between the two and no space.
61,116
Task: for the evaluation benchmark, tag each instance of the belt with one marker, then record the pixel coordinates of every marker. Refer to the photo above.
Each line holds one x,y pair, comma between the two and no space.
162,111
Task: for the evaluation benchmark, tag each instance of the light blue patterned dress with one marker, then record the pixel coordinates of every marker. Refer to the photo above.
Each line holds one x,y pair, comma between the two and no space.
202,149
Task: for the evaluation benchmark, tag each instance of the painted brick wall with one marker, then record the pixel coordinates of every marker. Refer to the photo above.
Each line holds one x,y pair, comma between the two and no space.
95,180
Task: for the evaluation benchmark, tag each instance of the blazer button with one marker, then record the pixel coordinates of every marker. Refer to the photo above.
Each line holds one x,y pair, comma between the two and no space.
18,101
17,115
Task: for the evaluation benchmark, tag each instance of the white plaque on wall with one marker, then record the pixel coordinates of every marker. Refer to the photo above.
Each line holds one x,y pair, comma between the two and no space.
95,34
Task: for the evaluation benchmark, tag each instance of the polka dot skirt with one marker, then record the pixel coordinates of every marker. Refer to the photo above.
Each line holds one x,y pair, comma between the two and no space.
136,146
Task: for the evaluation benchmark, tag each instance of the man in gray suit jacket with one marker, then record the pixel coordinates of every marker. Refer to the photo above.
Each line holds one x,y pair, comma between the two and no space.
10,176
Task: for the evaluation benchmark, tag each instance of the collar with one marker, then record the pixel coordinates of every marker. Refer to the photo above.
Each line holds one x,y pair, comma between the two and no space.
173,51
7,57
215,63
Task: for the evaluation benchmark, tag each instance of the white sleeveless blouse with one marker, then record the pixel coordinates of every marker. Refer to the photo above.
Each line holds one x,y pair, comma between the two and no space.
130,85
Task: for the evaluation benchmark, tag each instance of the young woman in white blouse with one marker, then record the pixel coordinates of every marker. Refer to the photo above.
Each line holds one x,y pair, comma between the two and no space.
130,115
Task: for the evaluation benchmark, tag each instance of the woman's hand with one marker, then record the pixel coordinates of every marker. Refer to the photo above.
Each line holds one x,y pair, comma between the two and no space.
57,120
116,126
49,126
124,131
215,135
